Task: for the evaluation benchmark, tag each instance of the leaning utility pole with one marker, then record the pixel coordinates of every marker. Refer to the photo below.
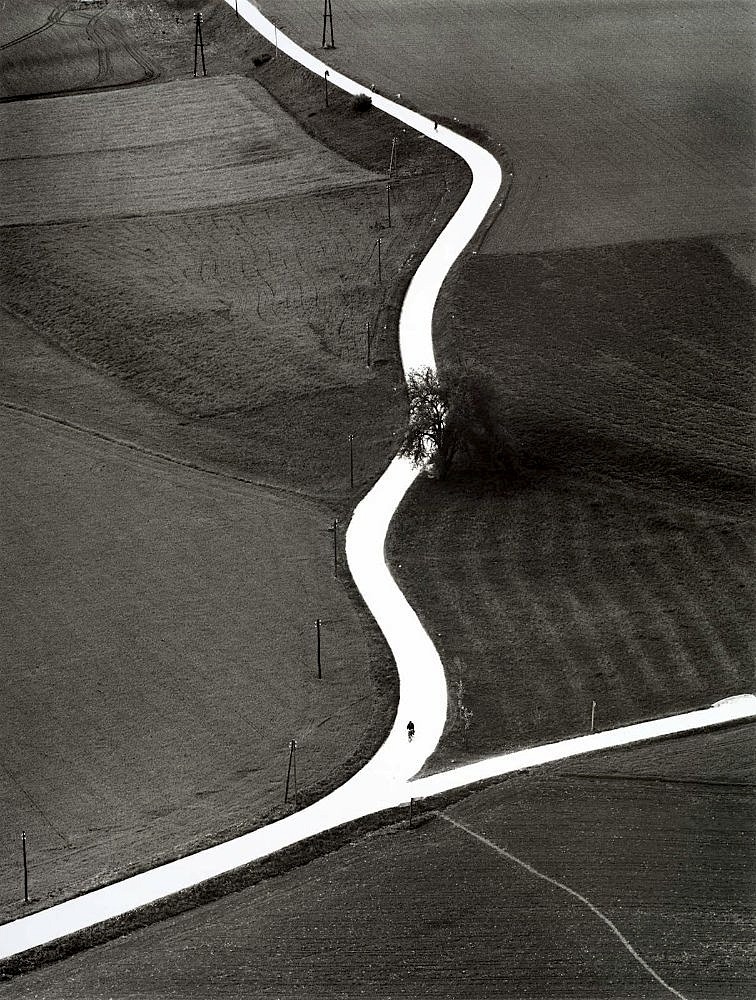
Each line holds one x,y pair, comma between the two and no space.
198,43
327,19
392,161
292,769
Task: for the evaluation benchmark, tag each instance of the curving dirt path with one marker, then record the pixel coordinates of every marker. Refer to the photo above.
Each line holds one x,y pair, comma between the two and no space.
385,781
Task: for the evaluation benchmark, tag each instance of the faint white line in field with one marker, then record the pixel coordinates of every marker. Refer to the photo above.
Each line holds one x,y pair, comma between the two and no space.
565,888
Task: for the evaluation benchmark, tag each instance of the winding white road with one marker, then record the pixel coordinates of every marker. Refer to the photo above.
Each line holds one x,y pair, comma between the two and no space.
385,781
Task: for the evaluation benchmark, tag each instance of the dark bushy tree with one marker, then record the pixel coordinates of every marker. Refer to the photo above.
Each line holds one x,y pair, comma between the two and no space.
457,423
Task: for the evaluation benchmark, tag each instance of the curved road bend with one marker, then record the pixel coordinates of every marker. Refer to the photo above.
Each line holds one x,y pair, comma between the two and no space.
384,781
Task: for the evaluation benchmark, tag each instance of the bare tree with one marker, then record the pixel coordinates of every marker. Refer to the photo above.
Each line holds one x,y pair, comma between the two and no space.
457,422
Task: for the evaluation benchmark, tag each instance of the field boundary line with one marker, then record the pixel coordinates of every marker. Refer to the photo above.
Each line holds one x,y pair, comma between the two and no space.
572,892
281,492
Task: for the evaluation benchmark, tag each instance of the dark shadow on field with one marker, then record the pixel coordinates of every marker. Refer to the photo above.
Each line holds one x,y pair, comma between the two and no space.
633,361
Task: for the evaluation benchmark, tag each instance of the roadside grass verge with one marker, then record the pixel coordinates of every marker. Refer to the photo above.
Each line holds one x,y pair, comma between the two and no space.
390,903
616,569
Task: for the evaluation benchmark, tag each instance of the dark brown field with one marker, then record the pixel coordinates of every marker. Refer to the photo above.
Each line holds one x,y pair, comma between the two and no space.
659,839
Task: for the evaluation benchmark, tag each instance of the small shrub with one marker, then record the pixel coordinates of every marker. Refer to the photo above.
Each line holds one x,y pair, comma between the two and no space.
362,103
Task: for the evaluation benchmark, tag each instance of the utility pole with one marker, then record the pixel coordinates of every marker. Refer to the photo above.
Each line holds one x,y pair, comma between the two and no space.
236,7
198,43
388,202
26,868
351,461
292,770
367,338
325,80
392,161
593,713
335,548
380,273
317,629
327,19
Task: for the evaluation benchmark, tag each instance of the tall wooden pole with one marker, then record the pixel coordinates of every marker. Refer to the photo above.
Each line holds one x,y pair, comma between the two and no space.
198,43
327,19
392,161
26,867
380,272
317,629
367,337
325,81
292,759
388,202
335,549
593,713
351,461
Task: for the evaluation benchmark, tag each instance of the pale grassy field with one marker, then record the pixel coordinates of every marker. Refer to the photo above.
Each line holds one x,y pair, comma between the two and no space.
250,248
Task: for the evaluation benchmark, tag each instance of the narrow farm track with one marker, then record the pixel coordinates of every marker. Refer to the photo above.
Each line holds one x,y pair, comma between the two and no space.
570,892
87,50
384,781
54,17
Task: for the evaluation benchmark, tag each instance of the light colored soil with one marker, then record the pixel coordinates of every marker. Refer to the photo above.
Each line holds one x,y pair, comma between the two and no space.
624,121
432,912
